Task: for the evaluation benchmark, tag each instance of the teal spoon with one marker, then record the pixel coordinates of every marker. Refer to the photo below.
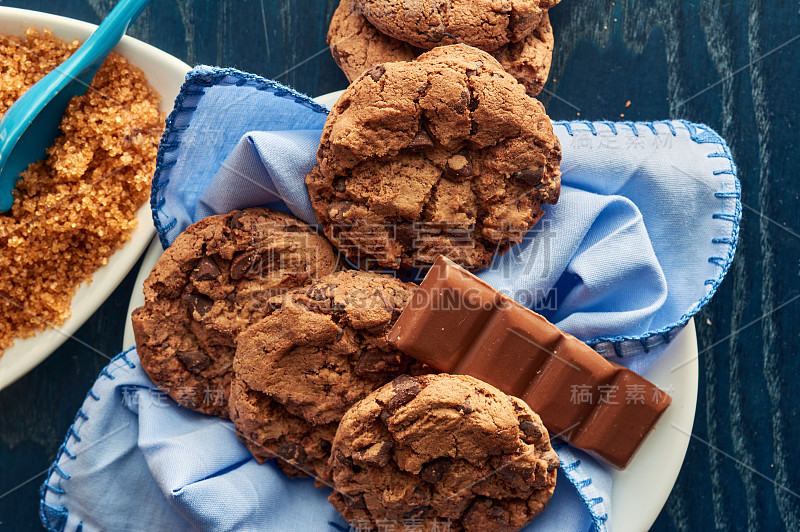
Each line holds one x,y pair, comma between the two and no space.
30,126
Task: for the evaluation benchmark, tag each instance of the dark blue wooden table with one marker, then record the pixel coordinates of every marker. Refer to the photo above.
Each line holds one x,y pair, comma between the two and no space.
732,64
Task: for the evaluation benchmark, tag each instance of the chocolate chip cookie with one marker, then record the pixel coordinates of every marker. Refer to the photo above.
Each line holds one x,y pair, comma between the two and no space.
443,155
356,46
321,349
529,60
214,281
442,449
485,24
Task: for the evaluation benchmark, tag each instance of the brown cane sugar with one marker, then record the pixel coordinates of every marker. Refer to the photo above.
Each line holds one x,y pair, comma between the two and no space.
75,208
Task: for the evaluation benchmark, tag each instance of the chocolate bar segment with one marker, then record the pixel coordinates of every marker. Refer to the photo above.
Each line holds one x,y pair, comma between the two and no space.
628,408
567,386
452,316
457,323
504,334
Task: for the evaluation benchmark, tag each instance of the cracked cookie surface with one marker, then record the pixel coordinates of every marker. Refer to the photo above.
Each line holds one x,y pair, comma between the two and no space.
442,448
208,286
322,348
356,46
445,154
485,24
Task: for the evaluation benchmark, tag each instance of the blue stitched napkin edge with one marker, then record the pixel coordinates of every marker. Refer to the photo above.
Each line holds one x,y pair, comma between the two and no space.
54,518
193,87
620,346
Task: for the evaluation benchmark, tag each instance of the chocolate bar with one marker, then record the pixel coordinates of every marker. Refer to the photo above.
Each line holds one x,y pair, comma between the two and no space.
458,324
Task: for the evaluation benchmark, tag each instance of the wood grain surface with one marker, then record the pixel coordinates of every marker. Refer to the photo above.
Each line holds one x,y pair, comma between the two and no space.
732,64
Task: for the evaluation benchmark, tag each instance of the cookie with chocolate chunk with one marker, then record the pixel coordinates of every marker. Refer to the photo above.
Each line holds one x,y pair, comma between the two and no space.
427,24
530,59
356,46
321,349
442,449
443,155
214,281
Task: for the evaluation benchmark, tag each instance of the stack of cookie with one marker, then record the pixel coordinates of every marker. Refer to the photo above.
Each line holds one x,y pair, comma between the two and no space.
365,33
250,315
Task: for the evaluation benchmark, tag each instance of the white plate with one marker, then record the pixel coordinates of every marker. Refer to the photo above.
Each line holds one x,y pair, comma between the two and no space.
640,491
165,74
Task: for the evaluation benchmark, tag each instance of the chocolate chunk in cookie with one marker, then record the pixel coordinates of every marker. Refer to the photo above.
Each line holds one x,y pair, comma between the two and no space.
320,350
452,450
485,24
214,281
357,46
468,196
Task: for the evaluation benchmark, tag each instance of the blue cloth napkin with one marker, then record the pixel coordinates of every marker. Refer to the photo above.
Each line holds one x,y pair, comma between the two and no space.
643,234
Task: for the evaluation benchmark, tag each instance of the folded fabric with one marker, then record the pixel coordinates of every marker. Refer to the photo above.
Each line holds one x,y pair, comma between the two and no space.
135,460
644,232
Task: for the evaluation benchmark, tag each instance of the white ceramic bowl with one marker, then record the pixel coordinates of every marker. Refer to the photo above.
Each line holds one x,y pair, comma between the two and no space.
165,74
